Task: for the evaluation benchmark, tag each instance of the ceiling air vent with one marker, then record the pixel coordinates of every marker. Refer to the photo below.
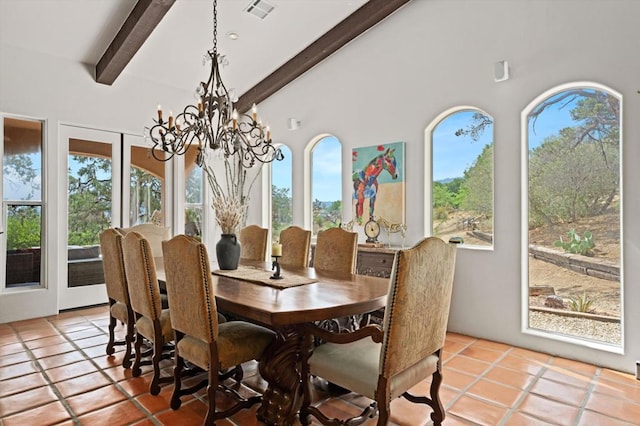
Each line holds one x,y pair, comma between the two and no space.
259,8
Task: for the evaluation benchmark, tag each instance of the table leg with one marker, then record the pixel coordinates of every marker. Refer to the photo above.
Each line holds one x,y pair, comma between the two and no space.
280,368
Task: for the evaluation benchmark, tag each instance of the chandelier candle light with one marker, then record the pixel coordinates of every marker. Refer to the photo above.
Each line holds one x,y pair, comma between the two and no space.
214,123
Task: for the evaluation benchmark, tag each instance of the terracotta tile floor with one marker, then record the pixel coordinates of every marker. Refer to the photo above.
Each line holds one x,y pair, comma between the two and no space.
54,371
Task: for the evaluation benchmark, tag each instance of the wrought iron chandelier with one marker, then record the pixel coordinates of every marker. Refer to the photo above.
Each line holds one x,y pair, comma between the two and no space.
214,123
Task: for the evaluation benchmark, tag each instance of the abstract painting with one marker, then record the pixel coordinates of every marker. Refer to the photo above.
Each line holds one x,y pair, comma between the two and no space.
379,183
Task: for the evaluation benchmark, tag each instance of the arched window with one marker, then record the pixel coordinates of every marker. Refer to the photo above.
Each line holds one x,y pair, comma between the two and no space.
281,193
571,204
323,184
459,154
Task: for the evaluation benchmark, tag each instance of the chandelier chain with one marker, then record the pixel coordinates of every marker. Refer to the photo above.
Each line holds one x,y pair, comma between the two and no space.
213,123
215,26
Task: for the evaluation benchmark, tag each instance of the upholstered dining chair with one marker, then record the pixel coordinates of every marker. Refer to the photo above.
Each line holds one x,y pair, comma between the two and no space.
154,234
295,246
384,363
336,250
253,242
200,339
117,292
152,322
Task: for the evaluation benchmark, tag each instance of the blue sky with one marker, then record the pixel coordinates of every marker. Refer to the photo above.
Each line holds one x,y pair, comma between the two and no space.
281,171
452,154
327,170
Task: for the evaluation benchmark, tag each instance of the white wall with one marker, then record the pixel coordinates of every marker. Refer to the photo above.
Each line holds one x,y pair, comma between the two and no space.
390,83
387,86
58,91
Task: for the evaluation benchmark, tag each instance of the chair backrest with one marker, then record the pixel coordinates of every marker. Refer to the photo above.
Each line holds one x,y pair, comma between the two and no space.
295,246
153,233
336,250
253,242
140,270
417,312
190,293
113,265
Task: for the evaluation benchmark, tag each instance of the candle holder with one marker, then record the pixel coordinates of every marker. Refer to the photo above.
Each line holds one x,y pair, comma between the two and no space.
275,265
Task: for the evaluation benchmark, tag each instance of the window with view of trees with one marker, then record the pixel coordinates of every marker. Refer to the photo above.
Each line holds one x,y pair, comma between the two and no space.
22,201
573,204
89,198
326,184
281,194
462,177
146,187
146,196
194,201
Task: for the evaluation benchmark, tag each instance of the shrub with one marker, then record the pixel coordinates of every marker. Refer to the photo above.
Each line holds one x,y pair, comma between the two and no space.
581,303
576,244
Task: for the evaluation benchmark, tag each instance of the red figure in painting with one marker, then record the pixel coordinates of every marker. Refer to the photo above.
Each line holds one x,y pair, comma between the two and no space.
365,181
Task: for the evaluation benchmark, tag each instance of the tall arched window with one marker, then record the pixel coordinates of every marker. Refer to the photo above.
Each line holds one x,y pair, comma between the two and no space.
571,204
323,183
281,193
460,155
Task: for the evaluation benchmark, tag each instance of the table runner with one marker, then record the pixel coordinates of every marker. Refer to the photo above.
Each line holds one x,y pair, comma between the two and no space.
261,276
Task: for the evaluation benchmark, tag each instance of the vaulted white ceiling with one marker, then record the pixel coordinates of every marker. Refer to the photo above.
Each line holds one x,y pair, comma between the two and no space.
81,30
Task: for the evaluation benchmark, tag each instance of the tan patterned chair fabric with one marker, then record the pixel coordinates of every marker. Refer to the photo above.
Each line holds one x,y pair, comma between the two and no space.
387,362
117,292
200,338
253,242
153,233
295,246
336,250
152,322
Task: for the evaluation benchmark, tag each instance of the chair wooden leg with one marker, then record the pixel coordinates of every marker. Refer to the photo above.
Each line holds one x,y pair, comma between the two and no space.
126,361
154,388
383,402
112,340
211,394
135,370
177,375
438,409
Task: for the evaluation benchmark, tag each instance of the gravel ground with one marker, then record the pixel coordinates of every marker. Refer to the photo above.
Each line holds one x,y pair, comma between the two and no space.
602,331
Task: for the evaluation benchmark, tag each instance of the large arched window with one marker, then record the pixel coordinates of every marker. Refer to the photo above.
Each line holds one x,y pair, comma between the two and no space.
281,193
459,154
323,184
571,204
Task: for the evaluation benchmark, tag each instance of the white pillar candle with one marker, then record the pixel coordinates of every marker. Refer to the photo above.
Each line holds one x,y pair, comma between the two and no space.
276,249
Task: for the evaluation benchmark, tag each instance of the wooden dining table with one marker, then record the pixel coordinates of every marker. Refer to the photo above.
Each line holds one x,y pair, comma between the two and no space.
286,310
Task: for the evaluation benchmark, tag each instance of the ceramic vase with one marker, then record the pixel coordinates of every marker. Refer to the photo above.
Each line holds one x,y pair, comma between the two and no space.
228,252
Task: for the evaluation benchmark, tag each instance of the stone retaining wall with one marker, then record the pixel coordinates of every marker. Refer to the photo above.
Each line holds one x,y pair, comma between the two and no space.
598,268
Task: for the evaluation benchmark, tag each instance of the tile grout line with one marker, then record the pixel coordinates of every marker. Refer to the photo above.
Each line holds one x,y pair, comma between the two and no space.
114,382
47,379
587,396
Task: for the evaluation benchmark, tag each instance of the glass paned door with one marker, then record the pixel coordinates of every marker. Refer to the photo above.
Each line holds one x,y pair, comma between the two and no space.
93,205
145,195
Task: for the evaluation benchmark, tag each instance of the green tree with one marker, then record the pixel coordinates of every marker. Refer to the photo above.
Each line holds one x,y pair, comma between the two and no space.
18,169
326,214
281,209
146,195
23,227
568,181
89,199
478,184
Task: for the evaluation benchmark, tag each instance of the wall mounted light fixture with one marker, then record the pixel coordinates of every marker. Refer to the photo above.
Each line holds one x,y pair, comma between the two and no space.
500,71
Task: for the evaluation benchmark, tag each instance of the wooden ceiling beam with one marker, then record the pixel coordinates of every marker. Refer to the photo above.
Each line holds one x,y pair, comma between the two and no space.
351,27
140,23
